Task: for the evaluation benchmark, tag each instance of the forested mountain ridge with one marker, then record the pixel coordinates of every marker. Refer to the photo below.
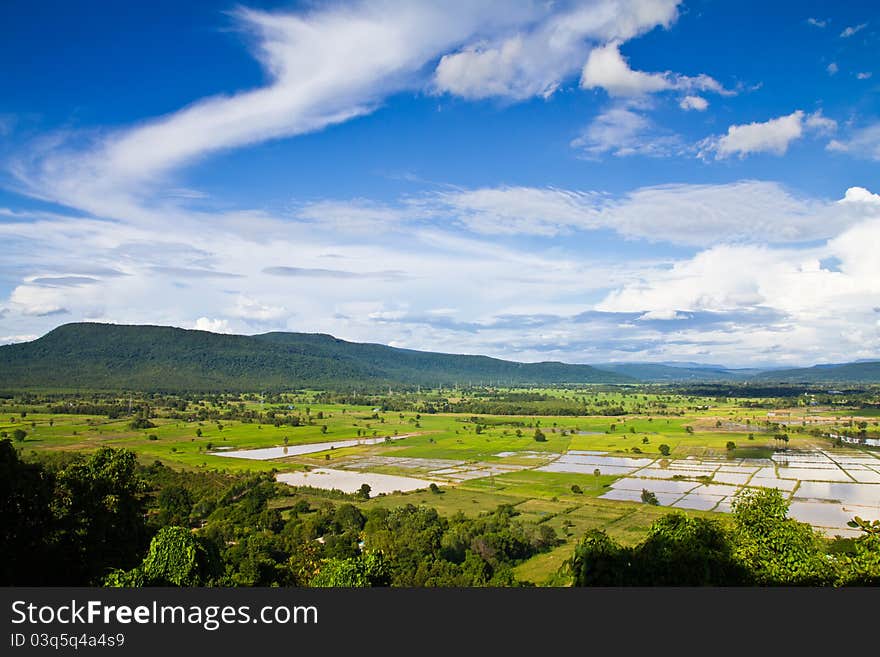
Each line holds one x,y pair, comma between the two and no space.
114,356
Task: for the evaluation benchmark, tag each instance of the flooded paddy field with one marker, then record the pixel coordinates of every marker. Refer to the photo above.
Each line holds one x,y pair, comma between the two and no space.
283,451
826,489
351,482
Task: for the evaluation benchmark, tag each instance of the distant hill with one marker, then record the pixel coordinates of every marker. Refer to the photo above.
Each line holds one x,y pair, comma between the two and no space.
859,372
677,373
112,357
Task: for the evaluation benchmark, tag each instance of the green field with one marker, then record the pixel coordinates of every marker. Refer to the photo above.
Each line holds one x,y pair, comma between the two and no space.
194,438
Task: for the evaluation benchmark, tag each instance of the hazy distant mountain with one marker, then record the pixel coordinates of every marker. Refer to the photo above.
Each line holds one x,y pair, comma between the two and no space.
858,372
111,356
677,373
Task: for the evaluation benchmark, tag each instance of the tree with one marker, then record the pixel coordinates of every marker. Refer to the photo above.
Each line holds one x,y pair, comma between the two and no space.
19,435
175,505
731,445
649,498
539,436
598,560
776,549
861,565
576,489
664,449
364,491
26,521
199,433
371,569
175,558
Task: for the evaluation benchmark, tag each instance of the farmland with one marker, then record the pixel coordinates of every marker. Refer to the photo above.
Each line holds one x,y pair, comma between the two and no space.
560,470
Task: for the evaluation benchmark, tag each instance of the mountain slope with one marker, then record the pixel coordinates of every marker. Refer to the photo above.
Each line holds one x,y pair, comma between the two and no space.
861,372
665,373
111,356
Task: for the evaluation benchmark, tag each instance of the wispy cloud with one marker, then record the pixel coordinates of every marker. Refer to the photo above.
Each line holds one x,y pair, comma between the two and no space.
303,272
861,142
853,30
622,131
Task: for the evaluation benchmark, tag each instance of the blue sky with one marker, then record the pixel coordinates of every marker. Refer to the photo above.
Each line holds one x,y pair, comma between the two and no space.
581,181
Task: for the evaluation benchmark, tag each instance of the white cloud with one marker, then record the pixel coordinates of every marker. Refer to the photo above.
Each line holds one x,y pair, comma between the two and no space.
663,315
537,58
13,339
815,22
822,313
694,103
520,210
212,325
832,68
853,29
325,66
819,123
607,69
773,136
864,75
499,316
860,195
862,142
622,131
699,215
251,309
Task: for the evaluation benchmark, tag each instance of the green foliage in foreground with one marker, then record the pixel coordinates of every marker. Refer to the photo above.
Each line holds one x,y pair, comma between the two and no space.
176,558
763,547
67,525
370,569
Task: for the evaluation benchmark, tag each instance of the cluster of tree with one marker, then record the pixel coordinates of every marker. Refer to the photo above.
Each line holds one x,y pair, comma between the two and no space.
103,519
761,547
67,523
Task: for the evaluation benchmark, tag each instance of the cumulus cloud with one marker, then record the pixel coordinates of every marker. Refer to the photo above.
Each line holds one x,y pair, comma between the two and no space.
537,58
815,22
772,136
860,195
212,325
607,69
832,68
694,103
